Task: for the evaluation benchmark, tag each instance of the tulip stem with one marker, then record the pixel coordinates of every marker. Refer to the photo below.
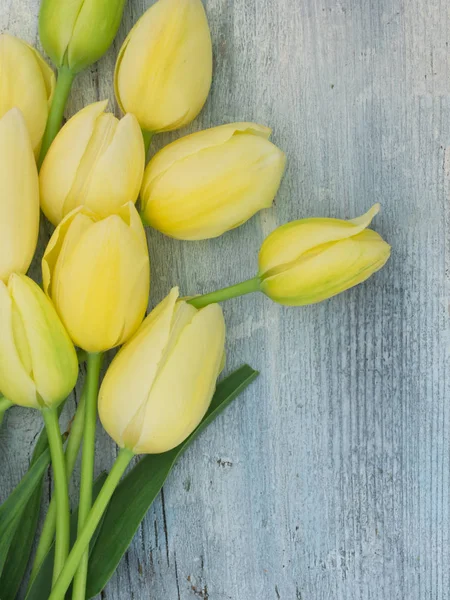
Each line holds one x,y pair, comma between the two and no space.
233,291
148,136
94,362
84,537
55,443
56,114
4,405
71,454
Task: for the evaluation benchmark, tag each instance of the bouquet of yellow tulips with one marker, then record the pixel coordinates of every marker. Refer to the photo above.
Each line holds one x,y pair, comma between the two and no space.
161,389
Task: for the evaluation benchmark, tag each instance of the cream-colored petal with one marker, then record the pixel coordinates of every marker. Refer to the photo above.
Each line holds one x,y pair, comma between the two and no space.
287,243
54,361
116,176
183,389
15,382
61,165
164,69
131,374
190,145
337,267
19,196
23,85
215,189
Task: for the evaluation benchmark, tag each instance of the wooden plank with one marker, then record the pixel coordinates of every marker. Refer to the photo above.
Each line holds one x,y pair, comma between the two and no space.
329,479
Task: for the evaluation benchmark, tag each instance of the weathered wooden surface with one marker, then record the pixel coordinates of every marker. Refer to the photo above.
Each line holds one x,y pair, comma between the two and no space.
329,479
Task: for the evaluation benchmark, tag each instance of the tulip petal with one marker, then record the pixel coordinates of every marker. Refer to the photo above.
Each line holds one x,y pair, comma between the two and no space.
125,387
15,383
337,267
19,198
53,357
289,242
60,168
26,84
58,17
183,389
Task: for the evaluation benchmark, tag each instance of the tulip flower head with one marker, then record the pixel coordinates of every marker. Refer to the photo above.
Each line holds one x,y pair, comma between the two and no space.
76,33
206,183
19,196
164,68
97,273
38,362
95,161
160,384
27,83
310,260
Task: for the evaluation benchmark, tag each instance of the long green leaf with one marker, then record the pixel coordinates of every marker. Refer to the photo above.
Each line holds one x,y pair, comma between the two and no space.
42,584
140,487
12,509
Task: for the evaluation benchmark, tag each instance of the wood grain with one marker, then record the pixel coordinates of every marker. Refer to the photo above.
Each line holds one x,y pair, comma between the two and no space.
329,479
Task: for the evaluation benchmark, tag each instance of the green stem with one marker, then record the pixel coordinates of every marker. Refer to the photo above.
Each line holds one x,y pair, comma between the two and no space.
4,405
148,136
55,117
50,416
240,289
81,546
71,454
94,362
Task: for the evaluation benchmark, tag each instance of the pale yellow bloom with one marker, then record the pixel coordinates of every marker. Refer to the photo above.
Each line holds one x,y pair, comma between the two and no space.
309,260
26,82
19,196
76,33
97,273
95,161
164,68
206,183
160,384
38,362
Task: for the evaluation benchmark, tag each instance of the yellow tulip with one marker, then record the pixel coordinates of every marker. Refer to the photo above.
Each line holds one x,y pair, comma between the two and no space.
206,183
307,261
164,68
97,273
38,362
19,196
160,384
76,33
95,161
27,82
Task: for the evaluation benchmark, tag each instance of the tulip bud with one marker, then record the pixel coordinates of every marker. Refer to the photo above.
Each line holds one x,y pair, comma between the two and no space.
310,260
76,33
19,196
95,161
164,68
38,362
160,384
206,183
27,82
97,273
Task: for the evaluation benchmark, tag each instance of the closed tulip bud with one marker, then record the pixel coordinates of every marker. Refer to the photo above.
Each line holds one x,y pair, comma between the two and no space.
28,83
164,68
76,33
96,271
160,384
206,183
19,196
307,261
38,362
96,161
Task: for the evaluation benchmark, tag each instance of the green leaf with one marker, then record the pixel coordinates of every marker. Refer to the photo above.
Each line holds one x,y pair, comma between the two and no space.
139,488
22,542
12,509
42,584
